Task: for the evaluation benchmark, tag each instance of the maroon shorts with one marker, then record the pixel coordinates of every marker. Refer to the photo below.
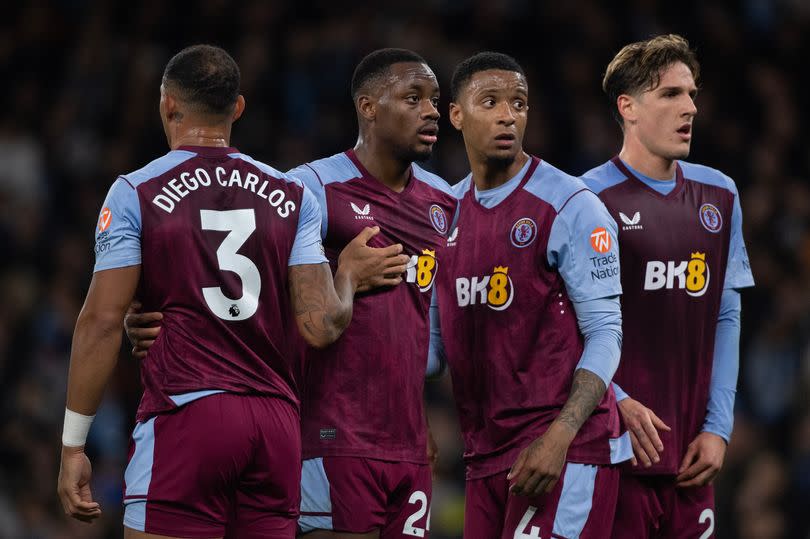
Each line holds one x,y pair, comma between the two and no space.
360,495
222,459
652,506
582,504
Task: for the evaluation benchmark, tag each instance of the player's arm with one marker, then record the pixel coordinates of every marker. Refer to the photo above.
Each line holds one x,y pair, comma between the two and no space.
600,322
97,336
323,307
140,329
437,359
538,467
322,303
582,238
643,426
94,353
436,366
725,367
97,339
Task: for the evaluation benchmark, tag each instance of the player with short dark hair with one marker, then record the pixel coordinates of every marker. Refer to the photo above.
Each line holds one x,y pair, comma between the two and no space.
483,61
530,323
205,78
228,249
375,66
364,434
683,263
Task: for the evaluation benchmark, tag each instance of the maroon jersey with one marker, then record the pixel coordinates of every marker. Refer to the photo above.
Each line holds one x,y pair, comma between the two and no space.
363,395
674,258
214,232
509,329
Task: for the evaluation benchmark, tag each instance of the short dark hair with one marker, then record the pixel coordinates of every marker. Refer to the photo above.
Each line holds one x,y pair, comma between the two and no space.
377,63
483,61
206,78
638,66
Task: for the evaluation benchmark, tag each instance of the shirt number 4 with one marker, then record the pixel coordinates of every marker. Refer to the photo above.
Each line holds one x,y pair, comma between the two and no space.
534,531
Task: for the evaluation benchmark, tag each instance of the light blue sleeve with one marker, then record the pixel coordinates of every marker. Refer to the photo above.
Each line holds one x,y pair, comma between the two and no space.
600,321
582,246
725,367
620,394
738,270
437,360
118,231
307,247
307,175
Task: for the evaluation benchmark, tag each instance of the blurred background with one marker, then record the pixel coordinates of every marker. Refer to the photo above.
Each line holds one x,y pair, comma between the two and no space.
80,107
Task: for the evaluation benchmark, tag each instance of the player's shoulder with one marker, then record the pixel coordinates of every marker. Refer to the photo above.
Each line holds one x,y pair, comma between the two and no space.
158,167
336,168
603,177
269,170
707,175
432,180
555,187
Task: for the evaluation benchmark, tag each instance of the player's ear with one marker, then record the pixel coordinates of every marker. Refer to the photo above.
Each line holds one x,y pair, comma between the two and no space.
456,116
366,107
169,106
627,107
239,108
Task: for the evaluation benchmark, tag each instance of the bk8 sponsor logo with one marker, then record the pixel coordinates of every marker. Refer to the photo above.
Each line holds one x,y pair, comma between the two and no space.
421,269
495,291
691,275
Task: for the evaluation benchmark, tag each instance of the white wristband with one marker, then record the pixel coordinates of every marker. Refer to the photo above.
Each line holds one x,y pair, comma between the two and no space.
74,433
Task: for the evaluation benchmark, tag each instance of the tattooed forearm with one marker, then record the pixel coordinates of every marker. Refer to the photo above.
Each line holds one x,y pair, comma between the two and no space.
322,313
587,390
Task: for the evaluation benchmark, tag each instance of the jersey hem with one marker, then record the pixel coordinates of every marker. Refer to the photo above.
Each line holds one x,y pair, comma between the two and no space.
143,415
388,456
748,283
303,260
599,295
117,265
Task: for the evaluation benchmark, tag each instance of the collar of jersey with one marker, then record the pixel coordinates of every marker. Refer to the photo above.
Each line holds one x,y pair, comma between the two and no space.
376,184
629,174
209,151
535,161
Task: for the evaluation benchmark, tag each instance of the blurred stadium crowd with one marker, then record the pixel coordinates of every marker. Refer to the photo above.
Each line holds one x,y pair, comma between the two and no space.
80,107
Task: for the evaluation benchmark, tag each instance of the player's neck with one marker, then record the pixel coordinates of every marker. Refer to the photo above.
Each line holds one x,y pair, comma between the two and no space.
641,159
488,174
215,136
391,172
